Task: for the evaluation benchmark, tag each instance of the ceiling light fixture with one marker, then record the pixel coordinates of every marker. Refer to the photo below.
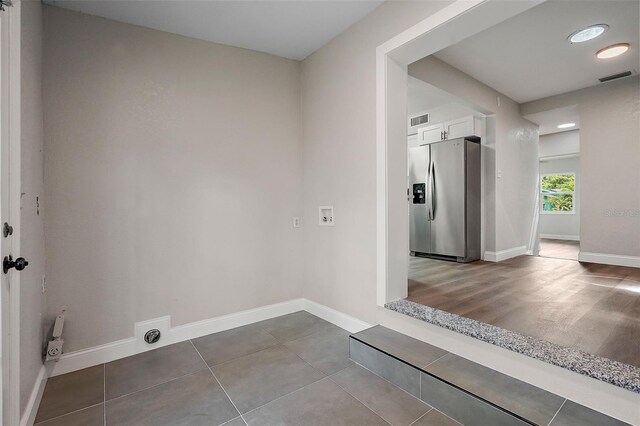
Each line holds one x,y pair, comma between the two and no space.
589,33
612,51
566,125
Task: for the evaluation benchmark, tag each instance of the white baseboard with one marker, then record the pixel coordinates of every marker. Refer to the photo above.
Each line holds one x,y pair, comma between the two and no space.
498,256
349,323
30,411
609,259
560,237
108,352
134,345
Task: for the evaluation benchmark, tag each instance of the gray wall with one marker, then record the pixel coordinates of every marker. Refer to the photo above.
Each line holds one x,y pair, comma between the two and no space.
609,158
31,218
512,151
172,170
339,114
562,143
562,224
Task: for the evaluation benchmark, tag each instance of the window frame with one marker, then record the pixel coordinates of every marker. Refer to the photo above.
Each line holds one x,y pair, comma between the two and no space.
573,194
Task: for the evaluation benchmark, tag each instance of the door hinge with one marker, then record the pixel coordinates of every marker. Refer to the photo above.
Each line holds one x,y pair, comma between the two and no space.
4,3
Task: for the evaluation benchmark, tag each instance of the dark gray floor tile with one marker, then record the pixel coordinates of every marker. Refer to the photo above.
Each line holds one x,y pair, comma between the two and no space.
151,368
530,402
256,379
294,326
92,416
397,372
572,414
463,407
235,422
227,345
71,392
435,418
386,400
322,403
326,350
413,351
196,399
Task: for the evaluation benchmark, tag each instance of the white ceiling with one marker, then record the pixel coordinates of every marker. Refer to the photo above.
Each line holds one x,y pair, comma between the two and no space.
291,29
528,57
549,120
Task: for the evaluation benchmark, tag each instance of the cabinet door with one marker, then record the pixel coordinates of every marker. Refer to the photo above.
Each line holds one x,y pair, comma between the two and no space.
460,128
430,134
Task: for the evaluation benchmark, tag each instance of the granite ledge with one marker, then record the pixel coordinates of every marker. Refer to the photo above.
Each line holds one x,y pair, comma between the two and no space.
610,371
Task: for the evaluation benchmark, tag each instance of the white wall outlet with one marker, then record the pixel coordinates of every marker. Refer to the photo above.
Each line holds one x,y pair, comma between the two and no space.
326,217
296,222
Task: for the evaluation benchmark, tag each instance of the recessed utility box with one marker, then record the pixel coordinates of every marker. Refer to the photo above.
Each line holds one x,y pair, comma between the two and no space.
325,215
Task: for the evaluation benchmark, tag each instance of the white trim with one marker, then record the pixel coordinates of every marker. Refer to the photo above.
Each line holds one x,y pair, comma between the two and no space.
134,345
560,237
499,256
11,411
108,352
558,157
30,411
596,394
349,323
609,259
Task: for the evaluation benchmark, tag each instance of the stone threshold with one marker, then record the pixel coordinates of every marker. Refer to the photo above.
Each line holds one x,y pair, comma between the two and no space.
607,370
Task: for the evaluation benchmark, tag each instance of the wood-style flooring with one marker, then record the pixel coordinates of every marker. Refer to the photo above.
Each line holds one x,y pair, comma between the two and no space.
587,306
560,249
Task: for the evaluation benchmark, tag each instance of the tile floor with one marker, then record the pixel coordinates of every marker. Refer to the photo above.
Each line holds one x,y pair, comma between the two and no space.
293,370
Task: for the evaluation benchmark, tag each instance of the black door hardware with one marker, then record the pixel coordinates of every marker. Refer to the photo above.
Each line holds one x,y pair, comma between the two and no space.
8,263
7,230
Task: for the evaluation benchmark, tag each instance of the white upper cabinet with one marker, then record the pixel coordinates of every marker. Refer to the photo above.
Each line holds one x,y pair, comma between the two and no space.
430,134
460,128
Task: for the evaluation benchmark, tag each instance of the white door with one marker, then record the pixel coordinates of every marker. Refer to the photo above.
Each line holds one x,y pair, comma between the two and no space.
430,134
10,213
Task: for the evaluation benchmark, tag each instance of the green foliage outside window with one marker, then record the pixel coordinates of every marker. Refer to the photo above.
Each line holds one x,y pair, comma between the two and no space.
558,192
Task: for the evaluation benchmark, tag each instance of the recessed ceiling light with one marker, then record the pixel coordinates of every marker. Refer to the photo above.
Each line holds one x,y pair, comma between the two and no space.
612,51
566,125
588,33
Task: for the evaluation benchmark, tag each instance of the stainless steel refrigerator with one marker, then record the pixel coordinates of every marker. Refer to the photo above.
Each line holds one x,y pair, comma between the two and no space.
444,200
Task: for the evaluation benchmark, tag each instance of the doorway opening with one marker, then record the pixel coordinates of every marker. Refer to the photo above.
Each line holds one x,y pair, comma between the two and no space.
510,286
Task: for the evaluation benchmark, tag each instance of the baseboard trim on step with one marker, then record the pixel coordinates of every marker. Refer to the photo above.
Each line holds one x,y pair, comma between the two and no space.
349,323
498,256
560,237
112,351
609,259
30,411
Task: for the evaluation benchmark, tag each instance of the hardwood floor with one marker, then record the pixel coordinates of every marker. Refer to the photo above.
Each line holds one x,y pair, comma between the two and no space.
587,306
560,249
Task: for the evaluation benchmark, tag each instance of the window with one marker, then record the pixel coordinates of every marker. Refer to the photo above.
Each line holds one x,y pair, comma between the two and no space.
557,192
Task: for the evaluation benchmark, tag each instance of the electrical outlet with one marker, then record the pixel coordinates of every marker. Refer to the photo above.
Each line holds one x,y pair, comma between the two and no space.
54,350
296,222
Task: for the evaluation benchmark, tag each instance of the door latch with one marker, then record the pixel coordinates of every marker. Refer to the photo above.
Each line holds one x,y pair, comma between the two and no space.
7,230
8,263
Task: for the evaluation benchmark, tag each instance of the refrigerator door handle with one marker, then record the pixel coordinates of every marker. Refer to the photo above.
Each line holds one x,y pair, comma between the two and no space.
432,210
428,192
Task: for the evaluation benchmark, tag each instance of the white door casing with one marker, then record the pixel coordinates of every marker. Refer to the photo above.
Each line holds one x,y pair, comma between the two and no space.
10,211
